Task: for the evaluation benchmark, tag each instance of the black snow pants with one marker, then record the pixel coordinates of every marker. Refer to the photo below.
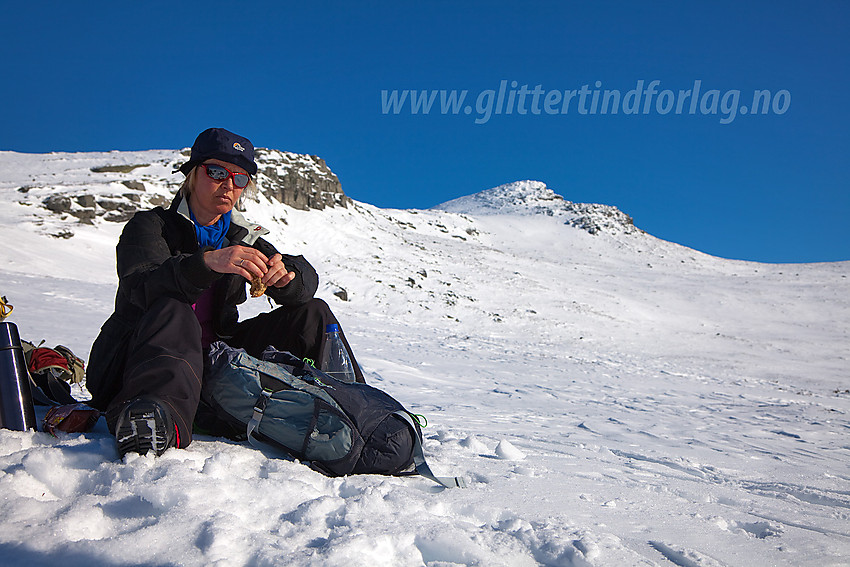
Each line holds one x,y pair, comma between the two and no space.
166,360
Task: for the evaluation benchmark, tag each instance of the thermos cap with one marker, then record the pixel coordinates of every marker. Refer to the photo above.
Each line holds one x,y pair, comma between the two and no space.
9,337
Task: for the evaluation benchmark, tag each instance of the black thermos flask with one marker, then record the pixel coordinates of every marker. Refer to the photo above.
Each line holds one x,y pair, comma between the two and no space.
16,409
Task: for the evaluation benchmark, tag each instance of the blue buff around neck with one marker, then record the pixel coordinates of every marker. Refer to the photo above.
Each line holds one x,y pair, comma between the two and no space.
214,234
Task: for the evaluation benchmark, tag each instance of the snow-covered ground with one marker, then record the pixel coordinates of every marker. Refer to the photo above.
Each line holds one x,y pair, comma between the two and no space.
611,398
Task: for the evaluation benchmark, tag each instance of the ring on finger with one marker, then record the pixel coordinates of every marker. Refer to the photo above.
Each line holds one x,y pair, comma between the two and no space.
242,261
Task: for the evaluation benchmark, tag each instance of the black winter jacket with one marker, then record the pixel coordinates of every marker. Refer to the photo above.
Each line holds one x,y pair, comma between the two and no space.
158,256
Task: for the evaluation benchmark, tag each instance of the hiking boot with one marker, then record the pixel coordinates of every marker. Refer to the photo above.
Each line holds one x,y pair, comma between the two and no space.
144,425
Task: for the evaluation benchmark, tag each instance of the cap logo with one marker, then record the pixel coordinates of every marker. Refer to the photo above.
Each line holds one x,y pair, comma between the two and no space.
238,146
258,228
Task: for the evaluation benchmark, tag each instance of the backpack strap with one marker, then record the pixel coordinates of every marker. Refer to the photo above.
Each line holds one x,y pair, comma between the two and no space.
254,423
419,456
39,397
267,448
76,366
51,391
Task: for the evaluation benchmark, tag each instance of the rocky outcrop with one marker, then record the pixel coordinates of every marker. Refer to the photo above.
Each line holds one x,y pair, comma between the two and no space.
300,181
113,186
596,218
110,207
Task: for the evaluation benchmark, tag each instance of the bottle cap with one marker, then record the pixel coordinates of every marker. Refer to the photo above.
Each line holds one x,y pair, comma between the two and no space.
332,328
9,337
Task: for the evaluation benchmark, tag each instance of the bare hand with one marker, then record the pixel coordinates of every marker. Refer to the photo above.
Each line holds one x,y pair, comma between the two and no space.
277,274
242,260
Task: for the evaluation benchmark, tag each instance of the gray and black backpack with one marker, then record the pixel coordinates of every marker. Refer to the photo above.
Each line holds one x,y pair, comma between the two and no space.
339,428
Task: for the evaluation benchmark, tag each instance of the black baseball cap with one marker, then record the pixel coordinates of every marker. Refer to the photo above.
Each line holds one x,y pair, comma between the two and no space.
218,143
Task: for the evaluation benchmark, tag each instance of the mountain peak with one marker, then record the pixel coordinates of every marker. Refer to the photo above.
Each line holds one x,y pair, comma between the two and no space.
519,197
529,197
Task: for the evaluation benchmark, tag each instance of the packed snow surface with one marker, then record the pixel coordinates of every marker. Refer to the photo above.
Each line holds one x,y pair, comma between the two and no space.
611,399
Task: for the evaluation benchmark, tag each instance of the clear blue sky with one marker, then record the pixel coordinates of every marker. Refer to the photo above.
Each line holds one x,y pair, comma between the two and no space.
308,76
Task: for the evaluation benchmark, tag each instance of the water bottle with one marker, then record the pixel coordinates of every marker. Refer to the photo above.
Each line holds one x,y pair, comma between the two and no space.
16,409
335,359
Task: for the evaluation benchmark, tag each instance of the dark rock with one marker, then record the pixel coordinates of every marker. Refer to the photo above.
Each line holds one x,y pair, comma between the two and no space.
118,168
119,216
65,233
58,204
117,205
87,201
160,201
133,184
86,216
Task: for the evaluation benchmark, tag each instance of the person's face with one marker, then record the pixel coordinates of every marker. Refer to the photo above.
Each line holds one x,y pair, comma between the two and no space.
211,198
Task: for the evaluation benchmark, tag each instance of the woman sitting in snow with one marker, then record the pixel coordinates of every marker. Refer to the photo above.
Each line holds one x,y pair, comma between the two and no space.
182,271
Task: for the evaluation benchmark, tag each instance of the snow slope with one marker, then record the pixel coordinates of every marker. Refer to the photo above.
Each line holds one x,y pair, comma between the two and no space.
611,399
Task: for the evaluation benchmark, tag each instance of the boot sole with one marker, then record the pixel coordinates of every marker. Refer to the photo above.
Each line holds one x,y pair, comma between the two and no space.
142,429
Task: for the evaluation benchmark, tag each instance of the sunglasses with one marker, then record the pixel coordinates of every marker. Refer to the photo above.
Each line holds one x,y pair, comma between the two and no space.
221,173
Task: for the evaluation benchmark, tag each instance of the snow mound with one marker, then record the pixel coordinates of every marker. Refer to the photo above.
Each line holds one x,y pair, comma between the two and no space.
505,450
535,198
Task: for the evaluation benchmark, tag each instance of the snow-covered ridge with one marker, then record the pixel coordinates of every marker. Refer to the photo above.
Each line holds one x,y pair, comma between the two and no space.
96,187
535,198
